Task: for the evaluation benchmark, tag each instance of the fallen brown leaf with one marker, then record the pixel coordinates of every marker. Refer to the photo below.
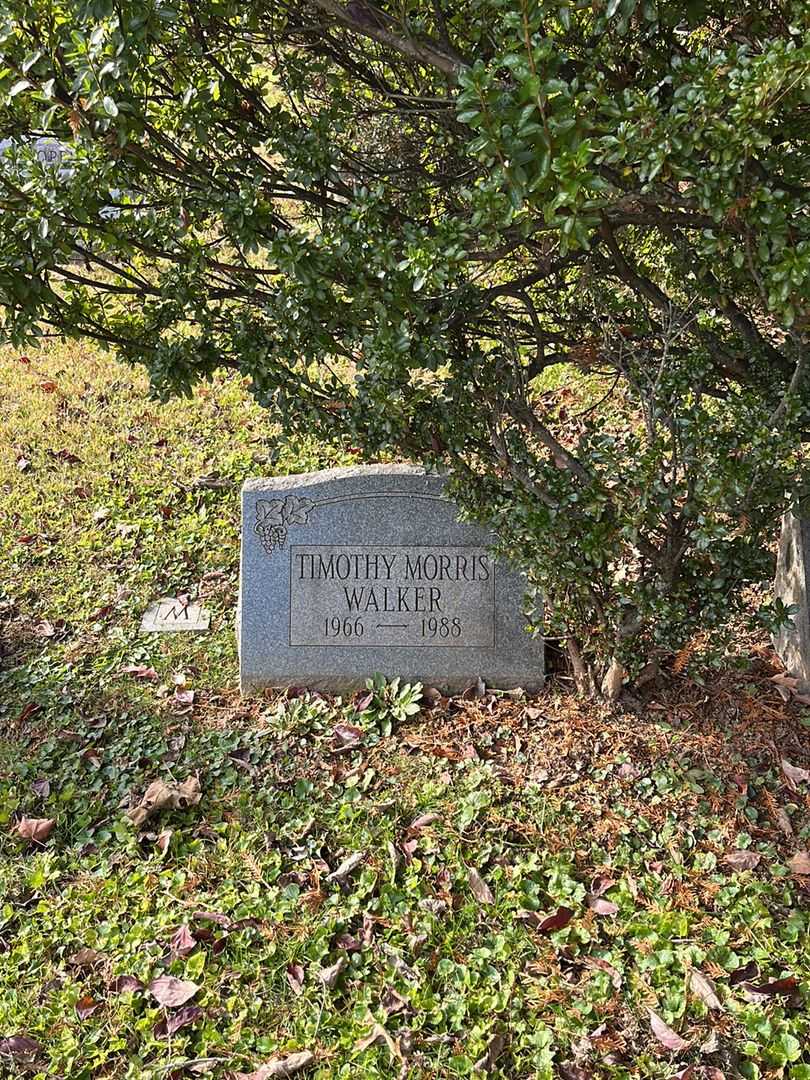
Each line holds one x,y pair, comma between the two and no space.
172,1023
495,1048
19,1047
480,890
122,984
329,976
800,863
711,1044
600,906
279,1068
601,883
86,959
557,921
26,713
378,1034
35,830
86,1006
172,992
423,821
162,796
65,455
569,1070
665,1035
742,860
391,1002
139,671
794,774
347,867
786,685
703,988
599,964
347,736
295,977
776,987
214,917
182,941
744,973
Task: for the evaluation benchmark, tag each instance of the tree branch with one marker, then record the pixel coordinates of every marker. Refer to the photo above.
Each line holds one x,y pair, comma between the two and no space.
427,53
525,416
642,286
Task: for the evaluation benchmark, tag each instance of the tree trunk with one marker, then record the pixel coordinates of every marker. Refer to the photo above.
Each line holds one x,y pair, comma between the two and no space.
613,680
587,684
583,673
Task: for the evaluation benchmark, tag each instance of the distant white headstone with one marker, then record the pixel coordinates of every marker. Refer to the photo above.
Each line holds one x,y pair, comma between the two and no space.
59,156
49,151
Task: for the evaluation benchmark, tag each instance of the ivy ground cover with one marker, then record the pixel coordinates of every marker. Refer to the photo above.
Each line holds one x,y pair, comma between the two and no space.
400,884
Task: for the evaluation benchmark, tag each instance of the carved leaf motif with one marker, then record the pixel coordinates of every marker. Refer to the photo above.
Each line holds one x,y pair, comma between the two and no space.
269,512
297,509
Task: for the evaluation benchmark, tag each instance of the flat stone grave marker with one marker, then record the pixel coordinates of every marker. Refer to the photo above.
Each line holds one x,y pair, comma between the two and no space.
173,616
350,572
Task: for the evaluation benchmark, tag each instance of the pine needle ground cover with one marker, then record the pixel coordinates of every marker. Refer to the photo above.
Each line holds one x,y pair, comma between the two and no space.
396,885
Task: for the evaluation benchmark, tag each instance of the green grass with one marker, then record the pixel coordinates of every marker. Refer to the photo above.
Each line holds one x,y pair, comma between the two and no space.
539,799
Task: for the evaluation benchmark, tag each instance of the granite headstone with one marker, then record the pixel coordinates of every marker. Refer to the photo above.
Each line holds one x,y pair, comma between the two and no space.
349,572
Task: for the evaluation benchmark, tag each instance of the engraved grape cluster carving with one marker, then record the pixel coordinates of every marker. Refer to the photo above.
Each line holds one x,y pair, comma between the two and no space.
274,516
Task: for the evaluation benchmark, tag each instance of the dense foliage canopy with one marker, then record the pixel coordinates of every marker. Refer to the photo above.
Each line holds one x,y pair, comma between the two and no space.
559,248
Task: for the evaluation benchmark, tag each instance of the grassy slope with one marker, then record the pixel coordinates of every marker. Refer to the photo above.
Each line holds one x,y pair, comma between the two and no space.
539,799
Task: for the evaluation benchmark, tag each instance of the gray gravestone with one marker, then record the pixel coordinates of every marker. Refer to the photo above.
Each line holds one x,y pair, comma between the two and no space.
792,587
354,571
